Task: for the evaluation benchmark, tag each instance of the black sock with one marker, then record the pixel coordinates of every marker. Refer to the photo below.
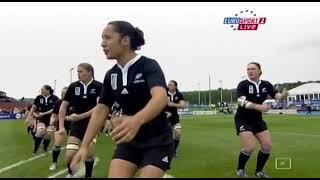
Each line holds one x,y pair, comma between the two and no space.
37,142
46,143
55,153
28,129
261,160
89,167
243,159
69,169
33,135
176,144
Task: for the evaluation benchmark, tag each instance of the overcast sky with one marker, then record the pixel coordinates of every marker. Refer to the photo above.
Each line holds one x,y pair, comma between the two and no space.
40,42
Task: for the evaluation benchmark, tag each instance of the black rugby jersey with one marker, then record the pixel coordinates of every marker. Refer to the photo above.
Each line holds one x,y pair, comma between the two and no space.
45,104
127,89
83,98
57,105
175,98
256,93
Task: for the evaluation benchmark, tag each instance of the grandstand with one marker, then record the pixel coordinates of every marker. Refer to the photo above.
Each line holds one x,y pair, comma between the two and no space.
9,106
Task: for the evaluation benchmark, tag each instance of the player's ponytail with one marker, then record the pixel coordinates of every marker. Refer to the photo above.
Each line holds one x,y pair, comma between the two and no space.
125,29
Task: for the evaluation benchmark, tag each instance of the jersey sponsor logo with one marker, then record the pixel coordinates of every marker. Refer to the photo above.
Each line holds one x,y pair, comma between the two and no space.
114,81
115,106
250,89
124,91
242,128
165,159
77,91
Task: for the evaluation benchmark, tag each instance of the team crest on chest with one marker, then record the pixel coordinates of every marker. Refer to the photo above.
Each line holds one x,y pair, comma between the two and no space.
41,101
114,81
77,91
138,79
250,89
138,76
93,91
264,90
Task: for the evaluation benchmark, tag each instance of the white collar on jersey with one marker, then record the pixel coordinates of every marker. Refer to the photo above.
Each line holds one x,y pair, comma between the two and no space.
126,67
46,98
85,87
87,84
172,94
256,84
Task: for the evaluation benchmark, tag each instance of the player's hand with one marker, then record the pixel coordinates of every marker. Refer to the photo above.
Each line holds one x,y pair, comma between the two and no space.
34,129
127,130
107,125
62,131
263,107
74,117
36,115
116,120
27,122
171,104
79,158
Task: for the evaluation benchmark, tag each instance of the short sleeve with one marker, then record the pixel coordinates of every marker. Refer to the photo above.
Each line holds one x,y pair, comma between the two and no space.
241,90
153,74
106,95
56,107
37,101
99,88
69,93
181,97
271,90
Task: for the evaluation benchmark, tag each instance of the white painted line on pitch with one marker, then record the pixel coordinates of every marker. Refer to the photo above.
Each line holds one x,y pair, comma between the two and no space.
65,170
297,134
24,161
166,175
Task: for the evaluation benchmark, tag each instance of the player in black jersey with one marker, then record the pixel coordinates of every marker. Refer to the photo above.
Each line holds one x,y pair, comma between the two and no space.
54,121
176,101
135,89
82,96
43,104
31,124
251,94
